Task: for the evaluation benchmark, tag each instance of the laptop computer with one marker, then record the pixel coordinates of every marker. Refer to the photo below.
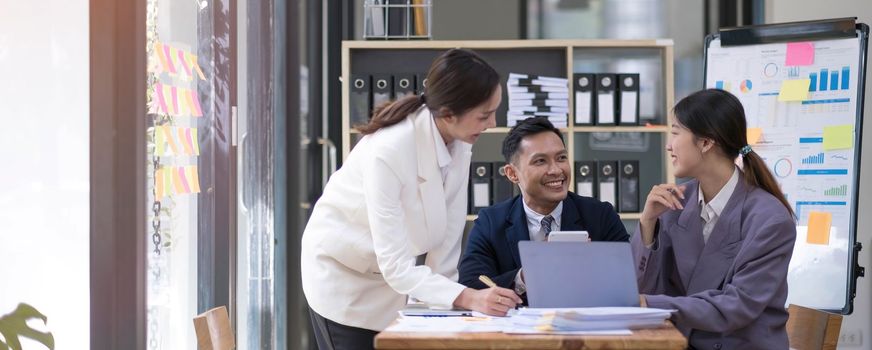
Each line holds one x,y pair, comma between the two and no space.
579,274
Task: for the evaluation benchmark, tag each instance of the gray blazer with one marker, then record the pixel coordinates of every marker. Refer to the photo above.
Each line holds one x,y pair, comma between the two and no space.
729,292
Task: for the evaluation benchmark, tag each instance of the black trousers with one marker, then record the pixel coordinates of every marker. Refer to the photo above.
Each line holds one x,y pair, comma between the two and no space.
334,336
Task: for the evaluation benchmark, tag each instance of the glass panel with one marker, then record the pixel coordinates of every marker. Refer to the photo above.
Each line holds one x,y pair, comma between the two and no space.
44,203
259,110
628,19
180,91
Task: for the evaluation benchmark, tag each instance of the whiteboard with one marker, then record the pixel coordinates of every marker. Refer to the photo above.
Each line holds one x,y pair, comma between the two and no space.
811,146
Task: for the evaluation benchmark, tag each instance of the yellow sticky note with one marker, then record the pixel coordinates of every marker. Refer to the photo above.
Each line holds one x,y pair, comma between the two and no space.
838,137
194,178
159,141
184,107
167,182
819,224
168,96
195,141
754,135
794,90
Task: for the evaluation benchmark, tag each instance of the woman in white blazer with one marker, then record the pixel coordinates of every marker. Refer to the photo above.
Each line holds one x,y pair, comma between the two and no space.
402,192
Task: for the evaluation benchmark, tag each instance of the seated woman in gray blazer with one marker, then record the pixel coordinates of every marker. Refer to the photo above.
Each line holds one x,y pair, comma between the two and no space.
401,193
717,248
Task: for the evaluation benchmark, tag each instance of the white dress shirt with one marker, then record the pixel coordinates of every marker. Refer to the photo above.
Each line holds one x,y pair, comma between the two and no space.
443,154
711,211
534,221
534,226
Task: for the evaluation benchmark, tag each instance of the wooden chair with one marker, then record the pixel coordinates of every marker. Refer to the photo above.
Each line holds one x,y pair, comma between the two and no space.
812,329
213,330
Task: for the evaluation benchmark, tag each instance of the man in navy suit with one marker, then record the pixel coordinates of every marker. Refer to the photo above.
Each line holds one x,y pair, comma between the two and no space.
538,163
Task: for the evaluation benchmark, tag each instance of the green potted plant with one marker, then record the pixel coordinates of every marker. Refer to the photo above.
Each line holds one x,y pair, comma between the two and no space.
14,325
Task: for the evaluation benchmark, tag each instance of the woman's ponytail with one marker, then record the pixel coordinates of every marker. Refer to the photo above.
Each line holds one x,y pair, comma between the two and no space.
758,174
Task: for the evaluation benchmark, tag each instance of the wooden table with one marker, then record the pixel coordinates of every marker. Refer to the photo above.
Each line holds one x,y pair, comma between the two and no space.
666,337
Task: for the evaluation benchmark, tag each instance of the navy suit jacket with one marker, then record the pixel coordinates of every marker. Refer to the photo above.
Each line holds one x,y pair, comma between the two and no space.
492,249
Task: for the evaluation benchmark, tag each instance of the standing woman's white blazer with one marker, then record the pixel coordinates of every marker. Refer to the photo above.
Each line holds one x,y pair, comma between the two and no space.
385,206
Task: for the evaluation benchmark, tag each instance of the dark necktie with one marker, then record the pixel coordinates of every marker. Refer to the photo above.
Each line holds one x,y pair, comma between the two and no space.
546,225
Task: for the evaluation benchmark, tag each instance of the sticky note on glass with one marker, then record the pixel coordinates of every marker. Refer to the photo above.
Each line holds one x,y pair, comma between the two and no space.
838,137
754,135
800,54
819,224
794,90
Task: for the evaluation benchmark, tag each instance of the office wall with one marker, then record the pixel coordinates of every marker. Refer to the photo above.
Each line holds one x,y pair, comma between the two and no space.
476,20
857,328
44,199
465,19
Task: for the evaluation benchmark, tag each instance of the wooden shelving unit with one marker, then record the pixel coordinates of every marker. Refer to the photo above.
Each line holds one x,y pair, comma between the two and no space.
378,56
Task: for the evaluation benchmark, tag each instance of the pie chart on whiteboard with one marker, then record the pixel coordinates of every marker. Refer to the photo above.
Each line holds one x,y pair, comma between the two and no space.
782,167
745,86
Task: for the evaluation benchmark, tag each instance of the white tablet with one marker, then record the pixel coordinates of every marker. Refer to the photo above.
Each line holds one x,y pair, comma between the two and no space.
568,236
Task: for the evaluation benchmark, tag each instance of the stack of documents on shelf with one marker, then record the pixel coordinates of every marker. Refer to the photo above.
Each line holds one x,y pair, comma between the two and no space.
562,320
538,96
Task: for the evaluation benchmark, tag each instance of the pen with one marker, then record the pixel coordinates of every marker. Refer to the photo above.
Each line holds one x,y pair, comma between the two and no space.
458,315
490,283
487,281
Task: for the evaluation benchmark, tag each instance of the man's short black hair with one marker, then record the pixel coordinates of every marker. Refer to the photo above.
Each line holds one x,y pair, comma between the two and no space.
524,128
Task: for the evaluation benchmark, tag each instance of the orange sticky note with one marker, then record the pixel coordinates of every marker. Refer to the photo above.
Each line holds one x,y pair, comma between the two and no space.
177,181
168,136
193,61
159,52
158,185
819,224
754,135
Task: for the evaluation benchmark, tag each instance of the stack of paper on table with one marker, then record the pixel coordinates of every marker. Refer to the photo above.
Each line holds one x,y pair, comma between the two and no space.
589,319
581,321
450,321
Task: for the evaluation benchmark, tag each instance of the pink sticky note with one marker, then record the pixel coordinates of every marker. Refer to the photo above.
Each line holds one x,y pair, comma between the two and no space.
175,96
800,54
161,99
198,110
183,176
169,58
181,55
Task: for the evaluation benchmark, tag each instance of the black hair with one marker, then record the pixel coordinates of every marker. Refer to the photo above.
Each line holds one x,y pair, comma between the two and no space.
718,115
524,128
458,81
